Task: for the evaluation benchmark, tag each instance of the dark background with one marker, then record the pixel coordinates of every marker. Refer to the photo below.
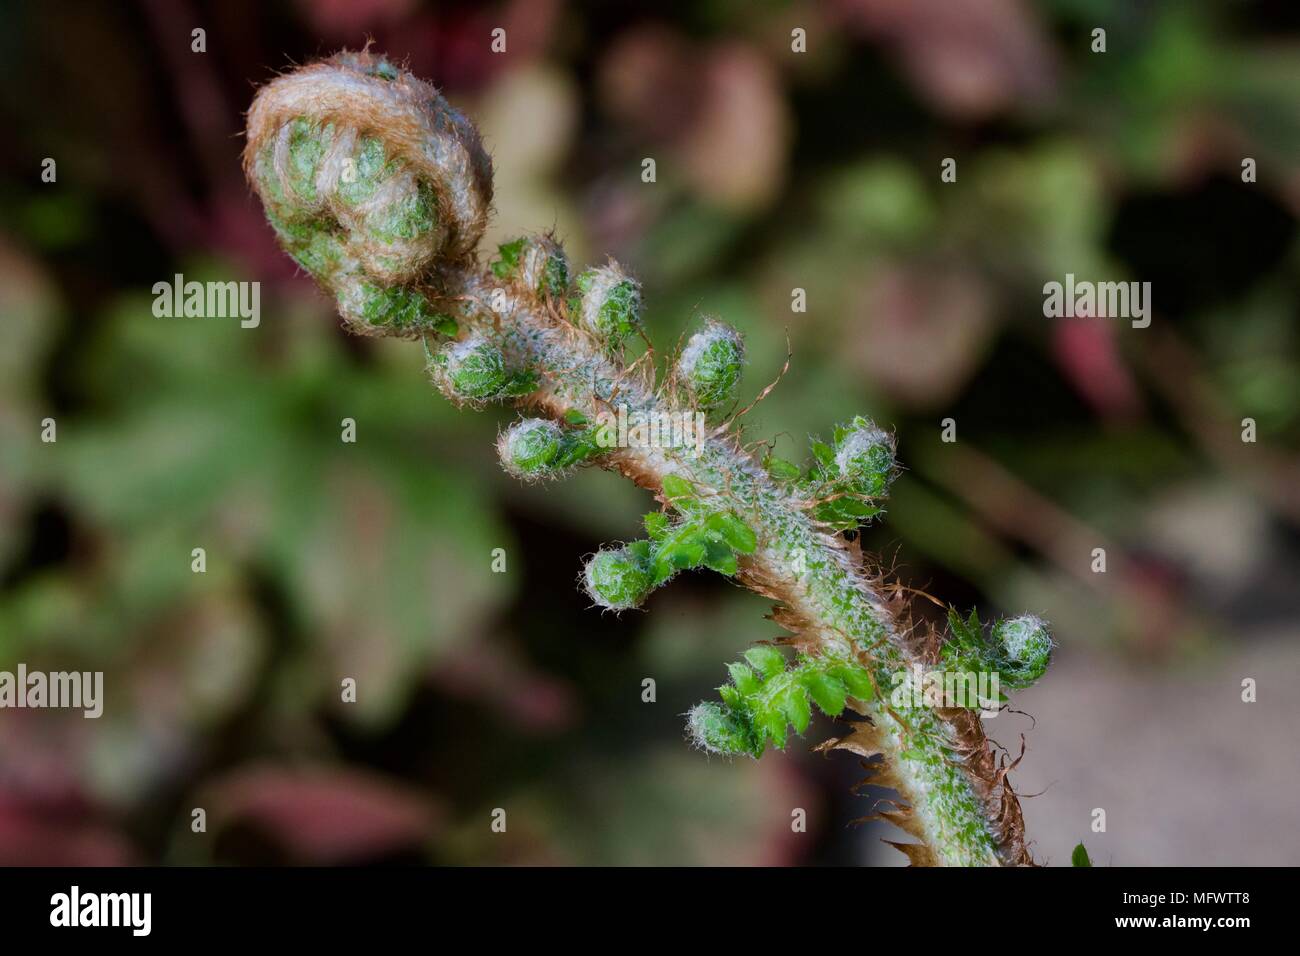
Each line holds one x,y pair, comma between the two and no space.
776,170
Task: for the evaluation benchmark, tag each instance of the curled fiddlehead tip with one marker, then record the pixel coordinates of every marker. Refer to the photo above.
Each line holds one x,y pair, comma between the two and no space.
531,448
1028,644
618,579
371,181
1018,649
711,364
608,304
472,370
850,478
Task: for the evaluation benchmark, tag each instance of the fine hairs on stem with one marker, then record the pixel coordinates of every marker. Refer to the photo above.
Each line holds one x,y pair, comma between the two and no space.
380,190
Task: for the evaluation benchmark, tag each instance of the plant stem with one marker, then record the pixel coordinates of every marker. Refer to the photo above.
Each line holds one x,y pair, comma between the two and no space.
836,604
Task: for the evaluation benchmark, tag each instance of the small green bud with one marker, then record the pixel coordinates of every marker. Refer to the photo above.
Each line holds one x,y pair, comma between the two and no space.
1027,644
1018,650
609,306
714,728
535,262
848,477
711,364
618,579
472,370
864,454
530,448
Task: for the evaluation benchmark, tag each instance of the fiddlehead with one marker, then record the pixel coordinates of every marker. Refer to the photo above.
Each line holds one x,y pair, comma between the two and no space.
379,189
372,182
1018,650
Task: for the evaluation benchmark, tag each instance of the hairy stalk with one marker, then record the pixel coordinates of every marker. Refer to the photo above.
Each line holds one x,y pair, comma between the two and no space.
379,189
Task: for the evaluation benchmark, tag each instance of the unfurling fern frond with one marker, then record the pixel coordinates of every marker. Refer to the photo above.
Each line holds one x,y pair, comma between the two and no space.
380,190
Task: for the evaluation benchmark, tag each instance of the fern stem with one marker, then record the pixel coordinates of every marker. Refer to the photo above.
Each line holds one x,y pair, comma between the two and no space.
836,603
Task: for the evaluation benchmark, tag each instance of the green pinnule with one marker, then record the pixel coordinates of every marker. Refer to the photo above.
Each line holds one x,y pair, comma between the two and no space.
380,190
702,537
765,696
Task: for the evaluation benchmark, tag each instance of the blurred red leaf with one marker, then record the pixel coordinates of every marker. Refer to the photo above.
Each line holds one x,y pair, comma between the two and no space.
969,58
497,675
919,333
1085,349
45,833
347,20
720,108
324,815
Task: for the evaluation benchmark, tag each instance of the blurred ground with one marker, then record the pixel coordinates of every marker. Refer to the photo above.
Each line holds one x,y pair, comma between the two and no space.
1187,772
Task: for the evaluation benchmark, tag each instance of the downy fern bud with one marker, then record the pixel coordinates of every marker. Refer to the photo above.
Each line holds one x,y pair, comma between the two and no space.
470,371
710,365
540,448
848,477
608,305
531,448
1027,646
536,263
370,179
864,456
713,728
1018,650
620,578
474,371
